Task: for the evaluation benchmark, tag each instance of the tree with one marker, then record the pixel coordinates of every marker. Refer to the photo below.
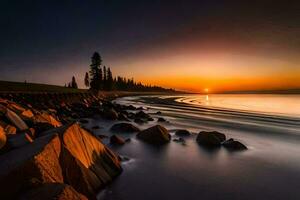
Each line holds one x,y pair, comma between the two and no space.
94,71
87,80
109,80
73,83
104,78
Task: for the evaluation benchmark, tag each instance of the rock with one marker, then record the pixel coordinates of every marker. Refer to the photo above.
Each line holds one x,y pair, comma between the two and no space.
41,127
100,164
124,128
2,137
130,107
210,139
123,117
128,140
27,114
110,114
142,115
16,120
40,160
102,136
50,191
158,113
155,135
234,145
10,130
46,118
182,132
160,119
179,140
116,140
140,121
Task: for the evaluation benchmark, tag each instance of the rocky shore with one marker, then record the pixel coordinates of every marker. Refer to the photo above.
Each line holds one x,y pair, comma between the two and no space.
46,154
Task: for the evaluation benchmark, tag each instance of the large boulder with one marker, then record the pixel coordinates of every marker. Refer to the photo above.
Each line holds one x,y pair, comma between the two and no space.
210,139
155,135
16,120
39,161
50,191
124,128
142,115
98,163
234,145
182,133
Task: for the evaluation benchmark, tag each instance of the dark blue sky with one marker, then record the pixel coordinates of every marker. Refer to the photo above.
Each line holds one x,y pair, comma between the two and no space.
49,41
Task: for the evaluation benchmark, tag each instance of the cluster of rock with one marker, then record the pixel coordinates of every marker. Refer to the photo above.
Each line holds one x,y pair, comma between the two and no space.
68,162
215,139
46,155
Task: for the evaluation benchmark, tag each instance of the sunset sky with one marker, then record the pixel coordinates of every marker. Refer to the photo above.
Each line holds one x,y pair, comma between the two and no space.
187,45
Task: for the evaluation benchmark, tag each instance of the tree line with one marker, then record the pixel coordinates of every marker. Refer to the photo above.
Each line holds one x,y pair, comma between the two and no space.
101,78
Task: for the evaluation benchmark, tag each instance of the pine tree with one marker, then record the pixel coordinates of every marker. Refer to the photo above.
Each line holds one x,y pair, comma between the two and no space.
94,71
109,79
104,78
87,80
73,83
100,78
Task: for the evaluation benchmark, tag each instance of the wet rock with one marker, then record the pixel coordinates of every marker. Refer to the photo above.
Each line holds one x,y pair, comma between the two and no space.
40,160
116,140
179,140
16,120
124,128
50,191
102,136
234,145
122,117
140,121
160,119
182,132
130,107
210,139
41,127
142,115
128,140
110,114
158,113
155,135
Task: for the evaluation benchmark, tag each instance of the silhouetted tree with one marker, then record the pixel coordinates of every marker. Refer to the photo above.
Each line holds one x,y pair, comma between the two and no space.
100,78
73,83
87,80
104,78
94,71
109,81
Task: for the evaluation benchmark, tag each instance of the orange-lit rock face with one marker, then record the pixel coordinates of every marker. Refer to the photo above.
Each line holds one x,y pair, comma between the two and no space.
16,120
101,162
46,118
39,161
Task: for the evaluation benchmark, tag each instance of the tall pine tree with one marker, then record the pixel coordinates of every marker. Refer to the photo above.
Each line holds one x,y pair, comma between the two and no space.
94,71
109,80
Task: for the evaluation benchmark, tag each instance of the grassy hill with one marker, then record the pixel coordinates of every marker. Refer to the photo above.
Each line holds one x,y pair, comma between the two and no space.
8,86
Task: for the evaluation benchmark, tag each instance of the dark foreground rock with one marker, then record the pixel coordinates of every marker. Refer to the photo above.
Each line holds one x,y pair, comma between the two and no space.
210,139
124,128
160,119
155,135
182,132
69,155
52,191
234,145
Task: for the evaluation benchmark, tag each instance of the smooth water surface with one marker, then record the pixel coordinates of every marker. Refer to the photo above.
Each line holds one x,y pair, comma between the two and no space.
270,169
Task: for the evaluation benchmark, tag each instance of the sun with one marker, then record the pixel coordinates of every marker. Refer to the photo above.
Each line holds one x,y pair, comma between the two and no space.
206,90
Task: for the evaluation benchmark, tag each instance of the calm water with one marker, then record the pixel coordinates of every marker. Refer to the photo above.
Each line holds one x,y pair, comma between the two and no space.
268,124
